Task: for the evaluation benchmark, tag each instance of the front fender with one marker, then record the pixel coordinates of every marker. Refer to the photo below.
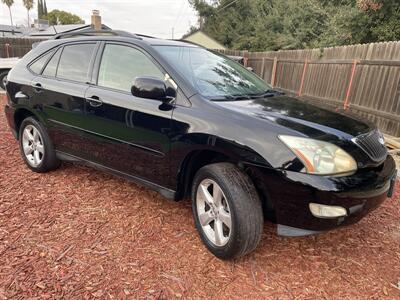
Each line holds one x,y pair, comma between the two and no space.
193,142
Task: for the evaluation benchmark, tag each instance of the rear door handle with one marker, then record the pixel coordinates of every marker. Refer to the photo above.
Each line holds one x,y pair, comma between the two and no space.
94,101
37,87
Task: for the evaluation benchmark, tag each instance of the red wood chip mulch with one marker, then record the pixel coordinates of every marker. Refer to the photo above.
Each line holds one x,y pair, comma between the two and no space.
77,233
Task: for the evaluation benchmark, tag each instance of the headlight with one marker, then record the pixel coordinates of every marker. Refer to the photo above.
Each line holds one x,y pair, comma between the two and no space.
320,157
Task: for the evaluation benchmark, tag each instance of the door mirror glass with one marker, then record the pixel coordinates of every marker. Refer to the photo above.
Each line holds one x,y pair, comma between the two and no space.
152,88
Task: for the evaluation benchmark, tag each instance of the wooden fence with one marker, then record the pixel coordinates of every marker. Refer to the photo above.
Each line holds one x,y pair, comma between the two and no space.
364,78
16,47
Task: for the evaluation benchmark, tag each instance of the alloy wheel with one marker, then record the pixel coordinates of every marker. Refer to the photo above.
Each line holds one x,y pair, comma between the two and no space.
213,212
32,143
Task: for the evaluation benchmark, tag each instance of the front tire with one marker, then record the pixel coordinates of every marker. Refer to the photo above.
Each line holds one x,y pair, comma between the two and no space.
36,147
227,210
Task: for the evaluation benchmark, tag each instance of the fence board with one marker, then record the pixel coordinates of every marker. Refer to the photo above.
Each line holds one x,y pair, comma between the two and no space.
17,47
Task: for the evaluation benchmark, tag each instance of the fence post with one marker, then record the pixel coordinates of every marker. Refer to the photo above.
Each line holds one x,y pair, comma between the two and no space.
7,49
245,58
273,75
353,72
262,68
303,77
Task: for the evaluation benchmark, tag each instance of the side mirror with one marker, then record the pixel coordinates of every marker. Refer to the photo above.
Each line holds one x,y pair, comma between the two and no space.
152,88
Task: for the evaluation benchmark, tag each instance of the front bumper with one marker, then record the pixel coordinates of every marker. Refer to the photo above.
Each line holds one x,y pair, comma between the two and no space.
292,192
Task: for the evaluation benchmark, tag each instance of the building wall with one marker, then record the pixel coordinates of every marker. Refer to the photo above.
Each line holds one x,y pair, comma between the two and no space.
203,40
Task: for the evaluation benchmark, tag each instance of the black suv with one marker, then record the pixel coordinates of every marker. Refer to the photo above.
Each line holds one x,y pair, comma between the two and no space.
189,122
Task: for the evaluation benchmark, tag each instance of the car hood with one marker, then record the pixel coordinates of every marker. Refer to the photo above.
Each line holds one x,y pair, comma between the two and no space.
307,119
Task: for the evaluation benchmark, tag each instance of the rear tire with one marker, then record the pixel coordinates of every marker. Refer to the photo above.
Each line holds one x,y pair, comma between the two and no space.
36,147
219,191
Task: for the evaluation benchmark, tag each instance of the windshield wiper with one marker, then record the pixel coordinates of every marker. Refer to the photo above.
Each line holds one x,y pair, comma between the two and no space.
232,98
267,93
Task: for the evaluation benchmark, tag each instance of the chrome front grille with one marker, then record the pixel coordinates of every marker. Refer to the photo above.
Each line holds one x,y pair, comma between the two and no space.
373,144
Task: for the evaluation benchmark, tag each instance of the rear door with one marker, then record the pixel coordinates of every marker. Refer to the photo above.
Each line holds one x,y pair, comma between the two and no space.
61,90
130,134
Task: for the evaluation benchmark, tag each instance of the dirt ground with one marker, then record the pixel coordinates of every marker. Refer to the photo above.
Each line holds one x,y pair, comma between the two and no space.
77,233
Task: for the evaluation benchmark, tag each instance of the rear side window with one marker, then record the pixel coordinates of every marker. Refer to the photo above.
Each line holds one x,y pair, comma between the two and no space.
51,67
121,64
75,61
37,66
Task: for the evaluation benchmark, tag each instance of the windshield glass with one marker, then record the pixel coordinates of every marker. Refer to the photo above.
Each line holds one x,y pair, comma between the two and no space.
213,75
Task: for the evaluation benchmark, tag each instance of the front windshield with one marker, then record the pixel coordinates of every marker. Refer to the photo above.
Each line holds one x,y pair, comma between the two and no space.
213,75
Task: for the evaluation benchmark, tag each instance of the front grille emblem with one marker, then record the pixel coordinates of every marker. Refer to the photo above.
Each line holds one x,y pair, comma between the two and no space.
373,144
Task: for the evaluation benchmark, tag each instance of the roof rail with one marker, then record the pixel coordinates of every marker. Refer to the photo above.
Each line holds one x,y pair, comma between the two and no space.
145,36
91,32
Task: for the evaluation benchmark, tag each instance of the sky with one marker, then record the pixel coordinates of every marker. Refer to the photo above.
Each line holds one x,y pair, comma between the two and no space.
150,17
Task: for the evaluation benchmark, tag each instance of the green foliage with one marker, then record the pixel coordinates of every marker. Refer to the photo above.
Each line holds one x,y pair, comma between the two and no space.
8,2
40,9
45,8
60,17
295,24
28,4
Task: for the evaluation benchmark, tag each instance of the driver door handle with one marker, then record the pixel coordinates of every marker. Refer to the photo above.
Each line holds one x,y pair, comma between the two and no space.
94,101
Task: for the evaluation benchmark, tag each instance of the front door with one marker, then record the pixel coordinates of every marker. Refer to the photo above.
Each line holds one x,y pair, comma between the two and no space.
129,134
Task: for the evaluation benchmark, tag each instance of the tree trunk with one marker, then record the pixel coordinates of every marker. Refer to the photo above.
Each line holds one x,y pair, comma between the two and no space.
29,25
9,8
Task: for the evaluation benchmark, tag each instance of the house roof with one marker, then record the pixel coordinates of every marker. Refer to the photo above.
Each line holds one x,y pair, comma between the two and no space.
201,38
14,30
8,28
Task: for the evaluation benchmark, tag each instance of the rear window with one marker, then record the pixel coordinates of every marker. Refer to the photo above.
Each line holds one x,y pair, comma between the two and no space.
75,61
37,66
51,67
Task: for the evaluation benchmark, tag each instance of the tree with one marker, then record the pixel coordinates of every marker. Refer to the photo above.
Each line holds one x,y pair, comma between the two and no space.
9,3
60,17
44,8
295,24
40,9
28,5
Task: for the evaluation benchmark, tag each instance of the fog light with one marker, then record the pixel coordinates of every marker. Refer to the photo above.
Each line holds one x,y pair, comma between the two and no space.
327,211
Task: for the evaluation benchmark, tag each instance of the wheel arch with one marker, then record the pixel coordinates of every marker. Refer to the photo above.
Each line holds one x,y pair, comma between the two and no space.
244,158
20,115
192,162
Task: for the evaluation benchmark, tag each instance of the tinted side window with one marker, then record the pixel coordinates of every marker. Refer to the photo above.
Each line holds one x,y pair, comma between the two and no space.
51,67
75,61
38,65
121,64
